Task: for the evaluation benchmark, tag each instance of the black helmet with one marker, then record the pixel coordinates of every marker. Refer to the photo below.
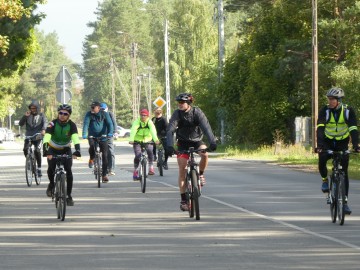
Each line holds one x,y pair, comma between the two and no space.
65,107
185,97
336,93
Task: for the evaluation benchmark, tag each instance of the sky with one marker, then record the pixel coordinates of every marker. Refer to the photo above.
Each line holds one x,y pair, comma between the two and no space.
68,18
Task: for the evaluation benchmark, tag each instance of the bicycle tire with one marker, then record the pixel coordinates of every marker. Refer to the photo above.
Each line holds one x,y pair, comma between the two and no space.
56,194
144,175
62,197
98,170
341,199
160,163
34,170
28,170
333,199
195,194
189,195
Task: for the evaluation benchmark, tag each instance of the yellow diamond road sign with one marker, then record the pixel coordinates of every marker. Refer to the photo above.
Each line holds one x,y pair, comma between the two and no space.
159,102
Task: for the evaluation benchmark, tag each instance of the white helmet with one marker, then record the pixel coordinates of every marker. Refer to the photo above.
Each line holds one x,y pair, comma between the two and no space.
335,92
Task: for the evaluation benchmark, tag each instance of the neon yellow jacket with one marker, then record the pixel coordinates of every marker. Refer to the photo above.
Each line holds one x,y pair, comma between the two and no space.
143,131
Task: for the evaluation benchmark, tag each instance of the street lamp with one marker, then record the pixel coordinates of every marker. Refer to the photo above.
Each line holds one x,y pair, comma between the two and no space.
166,61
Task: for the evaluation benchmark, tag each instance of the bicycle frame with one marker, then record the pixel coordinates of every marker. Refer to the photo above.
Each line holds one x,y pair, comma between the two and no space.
59,192
192,182
98,159
30,162
142,167
336,195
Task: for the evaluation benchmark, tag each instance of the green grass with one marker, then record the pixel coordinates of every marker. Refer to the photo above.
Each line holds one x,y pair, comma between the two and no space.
292,155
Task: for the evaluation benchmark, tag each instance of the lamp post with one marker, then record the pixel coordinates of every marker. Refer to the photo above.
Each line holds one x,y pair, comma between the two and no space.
314,73
166,61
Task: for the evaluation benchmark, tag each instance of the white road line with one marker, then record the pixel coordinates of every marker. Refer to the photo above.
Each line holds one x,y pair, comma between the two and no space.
346,244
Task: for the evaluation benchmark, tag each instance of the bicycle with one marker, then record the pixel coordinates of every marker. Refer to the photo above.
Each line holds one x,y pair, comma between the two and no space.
30,161
98,159
143,166
336,197
160,159
192,182
59,189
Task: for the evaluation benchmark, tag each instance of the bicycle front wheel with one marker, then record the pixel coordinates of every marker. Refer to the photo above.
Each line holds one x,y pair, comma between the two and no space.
333,199
195,194
28,170
34,171
160,163
98,170
61,188
143,175
341,198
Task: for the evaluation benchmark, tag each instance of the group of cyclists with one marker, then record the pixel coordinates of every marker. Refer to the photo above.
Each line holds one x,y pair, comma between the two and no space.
336,127
188,122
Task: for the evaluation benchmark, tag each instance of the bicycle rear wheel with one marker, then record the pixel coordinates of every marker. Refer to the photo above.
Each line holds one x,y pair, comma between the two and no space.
61,192
341,199
143,175
28,170
333,199
160,162
195,194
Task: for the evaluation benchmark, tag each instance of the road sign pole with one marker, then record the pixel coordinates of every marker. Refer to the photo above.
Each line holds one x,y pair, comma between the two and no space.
63,90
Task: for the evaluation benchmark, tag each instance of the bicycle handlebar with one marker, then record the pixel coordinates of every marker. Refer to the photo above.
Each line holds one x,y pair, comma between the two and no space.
32,136
191,150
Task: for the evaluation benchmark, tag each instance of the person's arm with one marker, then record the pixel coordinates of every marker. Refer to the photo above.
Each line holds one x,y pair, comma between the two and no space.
75,138
320,128
23,120
44,124
86,125
134,128
205,126
153,132
173,123
352,124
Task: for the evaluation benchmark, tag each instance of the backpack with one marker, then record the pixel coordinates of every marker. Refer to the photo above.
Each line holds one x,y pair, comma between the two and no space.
346,113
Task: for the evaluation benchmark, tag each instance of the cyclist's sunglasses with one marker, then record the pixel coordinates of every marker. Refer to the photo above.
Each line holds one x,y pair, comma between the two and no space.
63,113
181,102
143,115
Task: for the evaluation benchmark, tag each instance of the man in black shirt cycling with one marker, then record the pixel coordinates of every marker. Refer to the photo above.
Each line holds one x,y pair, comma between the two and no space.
189,123
161,124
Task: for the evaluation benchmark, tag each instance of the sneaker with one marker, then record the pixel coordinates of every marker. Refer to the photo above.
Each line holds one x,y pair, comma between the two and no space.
328,200
105,179
202,180
69,201
151,170
155,158
165,166
347,210
184,206
325,186
91,163
39,174
135,175
49,190
111,173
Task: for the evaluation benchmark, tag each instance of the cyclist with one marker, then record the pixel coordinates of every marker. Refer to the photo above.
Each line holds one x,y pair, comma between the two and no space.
189,123
161,124
35,122
335,125
98,123
111,152
143,131
57,140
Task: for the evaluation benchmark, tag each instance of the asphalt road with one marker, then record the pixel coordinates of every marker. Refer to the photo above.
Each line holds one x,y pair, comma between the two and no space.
254,215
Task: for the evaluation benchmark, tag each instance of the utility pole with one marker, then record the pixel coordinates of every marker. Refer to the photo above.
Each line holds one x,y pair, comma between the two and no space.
167,80
221,41
314,73
113,86
135,104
